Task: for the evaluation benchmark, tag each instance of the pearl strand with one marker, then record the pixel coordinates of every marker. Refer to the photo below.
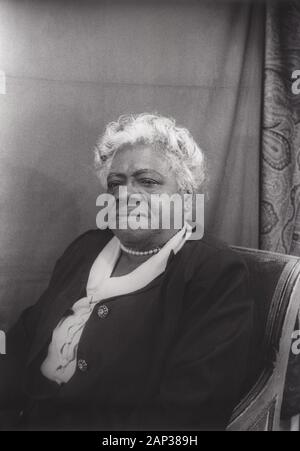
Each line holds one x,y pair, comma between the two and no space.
132,252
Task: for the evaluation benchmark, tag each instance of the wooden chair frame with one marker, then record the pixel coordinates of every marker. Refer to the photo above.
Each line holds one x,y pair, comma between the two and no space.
260,408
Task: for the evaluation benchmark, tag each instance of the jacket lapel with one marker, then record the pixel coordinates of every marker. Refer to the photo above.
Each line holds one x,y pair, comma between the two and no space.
60,302
55,310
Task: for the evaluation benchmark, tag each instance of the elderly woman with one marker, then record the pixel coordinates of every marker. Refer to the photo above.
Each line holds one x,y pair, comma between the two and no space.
139,328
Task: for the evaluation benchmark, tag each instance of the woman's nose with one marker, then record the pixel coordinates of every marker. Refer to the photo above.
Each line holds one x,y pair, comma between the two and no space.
132,195
132,188
126,191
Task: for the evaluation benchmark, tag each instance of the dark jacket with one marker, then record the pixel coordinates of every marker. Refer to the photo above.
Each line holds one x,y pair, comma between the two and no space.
179,366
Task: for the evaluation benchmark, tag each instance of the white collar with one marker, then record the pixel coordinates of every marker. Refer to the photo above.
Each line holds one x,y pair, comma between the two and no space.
102,285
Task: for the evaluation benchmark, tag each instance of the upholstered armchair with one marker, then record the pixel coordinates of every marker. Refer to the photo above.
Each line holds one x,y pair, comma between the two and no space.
275,285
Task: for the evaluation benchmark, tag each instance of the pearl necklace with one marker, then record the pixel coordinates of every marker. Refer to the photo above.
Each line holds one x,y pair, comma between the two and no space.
132,252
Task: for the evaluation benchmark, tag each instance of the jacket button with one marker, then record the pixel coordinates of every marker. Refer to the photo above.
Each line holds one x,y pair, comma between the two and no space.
82,365
103,311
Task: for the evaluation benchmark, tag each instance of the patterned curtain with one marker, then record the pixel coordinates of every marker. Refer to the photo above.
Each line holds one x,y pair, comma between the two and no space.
280,197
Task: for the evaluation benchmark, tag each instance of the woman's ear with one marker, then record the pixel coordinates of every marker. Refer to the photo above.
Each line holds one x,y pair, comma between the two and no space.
188,207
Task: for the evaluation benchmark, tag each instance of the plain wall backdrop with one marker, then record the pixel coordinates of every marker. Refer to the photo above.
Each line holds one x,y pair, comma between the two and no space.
73,66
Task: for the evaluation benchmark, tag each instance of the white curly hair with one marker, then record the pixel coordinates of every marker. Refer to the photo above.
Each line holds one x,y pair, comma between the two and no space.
174,143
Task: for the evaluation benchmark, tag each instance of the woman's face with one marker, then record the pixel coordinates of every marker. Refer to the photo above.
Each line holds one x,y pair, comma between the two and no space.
144,173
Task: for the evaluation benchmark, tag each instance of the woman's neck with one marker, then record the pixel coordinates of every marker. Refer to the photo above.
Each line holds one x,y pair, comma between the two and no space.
135,259
128,263
156,240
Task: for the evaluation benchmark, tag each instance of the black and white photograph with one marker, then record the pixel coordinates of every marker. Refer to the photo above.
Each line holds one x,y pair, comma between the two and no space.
150,218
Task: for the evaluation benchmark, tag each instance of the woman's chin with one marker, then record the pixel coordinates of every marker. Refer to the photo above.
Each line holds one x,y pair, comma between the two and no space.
132,224
129,236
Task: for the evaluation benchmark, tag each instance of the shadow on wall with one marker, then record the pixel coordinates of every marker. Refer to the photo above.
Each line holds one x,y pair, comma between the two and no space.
37,213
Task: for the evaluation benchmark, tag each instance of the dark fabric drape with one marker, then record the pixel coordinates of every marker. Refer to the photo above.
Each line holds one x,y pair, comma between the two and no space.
280,206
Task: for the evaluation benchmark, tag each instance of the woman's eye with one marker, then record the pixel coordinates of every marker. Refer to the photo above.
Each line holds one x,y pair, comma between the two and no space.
114,185
148,182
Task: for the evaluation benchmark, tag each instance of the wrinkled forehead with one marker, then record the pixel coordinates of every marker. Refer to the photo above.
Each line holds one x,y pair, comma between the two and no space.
133,158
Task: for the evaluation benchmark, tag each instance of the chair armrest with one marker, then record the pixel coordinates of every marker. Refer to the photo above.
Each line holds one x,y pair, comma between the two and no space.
260,409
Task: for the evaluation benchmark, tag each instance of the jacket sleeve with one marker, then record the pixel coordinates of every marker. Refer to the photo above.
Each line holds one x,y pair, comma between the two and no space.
207,366
20,337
